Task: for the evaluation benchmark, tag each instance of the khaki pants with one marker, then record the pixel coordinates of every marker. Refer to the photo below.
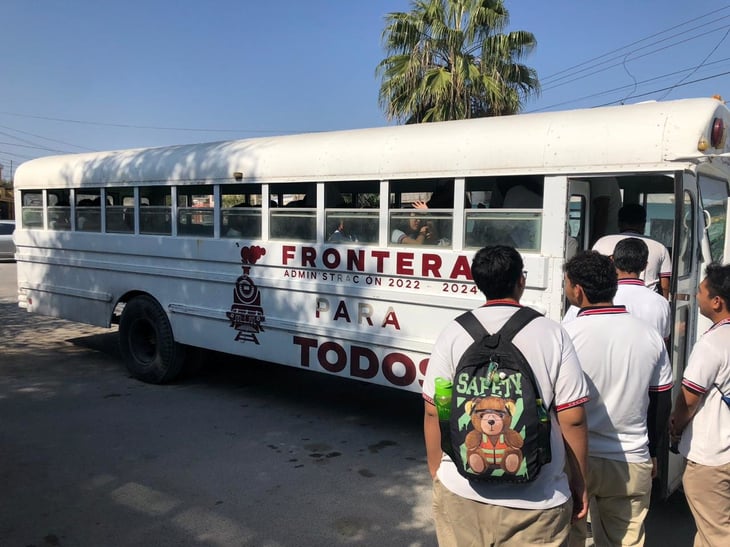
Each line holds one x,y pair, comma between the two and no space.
619,494
461,522
707,490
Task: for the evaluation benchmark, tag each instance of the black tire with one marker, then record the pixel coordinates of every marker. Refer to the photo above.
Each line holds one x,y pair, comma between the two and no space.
147,343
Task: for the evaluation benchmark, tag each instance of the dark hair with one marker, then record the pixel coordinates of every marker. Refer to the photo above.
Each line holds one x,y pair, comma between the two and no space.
595,273
496,270
631,255
718,281
632,214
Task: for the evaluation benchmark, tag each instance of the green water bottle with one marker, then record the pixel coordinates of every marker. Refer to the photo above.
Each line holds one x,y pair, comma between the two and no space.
442,398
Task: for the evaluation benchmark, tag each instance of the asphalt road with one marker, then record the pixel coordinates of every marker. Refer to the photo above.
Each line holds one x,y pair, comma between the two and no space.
246,454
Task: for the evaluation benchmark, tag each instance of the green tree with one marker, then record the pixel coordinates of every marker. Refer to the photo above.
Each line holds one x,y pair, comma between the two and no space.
449,60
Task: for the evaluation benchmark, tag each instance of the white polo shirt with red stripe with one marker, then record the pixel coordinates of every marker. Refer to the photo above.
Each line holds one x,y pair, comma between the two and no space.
706,439
548,349
623,358
659,263
640,301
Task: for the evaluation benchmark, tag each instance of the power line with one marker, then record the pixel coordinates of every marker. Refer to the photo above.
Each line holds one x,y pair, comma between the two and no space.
622,87
671,87
623,60
698,66
132,126
679,25
33,144
35,147
45,138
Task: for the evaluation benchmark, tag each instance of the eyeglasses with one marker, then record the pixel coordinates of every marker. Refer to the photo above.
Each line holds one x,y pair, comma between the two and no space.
524,272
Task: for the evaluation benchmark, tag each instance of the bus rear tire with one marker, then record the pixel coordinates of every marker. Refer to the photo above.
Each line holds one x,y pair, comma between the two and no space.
147,344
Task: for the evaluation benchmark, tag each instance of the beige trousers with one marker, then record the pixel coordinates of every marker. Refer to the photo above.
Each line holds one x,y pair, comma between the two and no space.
618,495
707,490
461,522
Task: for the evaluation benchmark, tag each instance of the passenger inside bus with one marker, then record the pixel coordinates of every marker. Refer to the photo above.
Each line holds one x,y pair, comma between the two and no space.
238,222
340,234
414,231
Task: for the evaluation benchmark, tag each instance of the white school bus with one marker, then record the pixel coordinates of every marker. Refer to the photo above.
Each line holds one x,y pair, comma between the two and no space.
307,250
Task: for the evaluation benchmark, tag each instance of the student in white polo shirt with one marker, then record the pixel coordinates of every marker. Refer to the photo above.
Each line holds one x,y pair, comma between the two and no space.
625,361
631,223
629,258
470,512
702,416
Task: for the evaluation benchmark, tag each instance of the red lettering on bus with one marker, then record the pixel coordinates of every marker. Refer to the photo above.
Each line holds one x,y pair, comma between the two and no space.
340,362
380,257
461,269
409,374
309,254
306,344
357,353
331,258
356,260
287,253
364,311
391,319
431,264
341,312
422,366
398,368
404,263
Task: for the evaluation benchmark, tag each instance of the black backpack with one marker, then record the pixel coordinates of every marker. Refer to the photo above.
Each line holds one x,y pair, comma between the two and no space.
498,429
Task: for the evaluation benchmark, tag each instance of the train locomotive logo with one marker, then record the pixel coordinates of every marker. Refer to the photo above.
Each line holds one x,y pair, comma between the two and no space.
246,313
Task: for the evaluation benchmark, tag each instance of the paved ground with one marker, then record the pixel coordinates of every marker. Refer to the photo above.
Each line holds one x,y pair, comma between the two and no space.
247,454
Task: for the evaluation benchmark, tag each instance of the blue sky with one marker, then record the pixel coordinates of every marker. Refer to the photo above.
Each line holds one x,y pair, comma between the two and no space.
97,75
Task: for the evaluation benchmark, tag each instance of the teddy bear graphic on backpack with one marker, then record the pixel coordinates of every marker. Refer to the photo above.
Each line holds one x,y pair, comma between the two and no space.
492,444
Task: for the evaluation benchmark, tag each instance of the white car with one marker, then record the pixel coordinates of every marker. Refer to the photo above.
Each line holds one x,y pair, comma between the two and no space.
7,247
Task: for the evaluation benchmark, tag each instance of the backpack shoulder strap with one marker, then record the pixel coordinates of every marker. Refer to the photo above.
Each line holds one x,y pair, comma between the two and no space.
518,321
472,325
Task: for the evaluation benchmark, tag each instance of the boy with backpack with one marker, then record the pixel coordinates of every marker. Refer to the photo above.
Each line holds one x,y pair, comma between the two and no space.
515,418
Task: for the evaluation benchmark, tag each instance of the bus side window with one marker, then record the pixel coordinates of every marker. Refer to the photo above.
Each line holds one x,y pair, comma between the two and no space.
296,214
32,208
88,210
120,210
155,210
241,211
509,212
351,212
423,206
59,210
195,211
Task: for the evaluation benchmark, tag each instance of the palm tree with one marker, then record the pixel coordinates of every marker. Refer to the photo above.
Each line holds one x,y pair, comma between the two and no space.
448,60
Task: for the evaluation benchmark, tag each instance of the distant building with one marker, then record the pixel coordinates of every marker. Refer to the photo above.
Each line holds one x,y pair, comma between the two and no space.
7,203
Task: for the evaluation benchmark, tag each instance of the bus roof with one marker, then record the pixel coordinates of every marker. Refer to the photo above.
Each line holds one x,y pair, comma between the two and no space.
643,136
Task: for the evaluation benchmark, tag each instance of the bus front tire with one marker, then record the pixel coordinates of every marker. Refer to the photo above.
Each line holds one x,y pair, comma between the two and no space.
147,343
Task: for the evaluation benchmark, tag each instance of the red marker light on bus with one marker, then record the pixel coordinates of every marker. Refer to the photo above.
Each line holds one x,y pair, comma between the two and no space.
717,135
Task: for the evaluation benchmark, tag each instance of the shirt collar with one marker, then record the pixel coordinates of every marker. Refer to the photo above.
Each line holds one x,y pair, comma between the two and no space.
720,323
631,281
601,310
502,302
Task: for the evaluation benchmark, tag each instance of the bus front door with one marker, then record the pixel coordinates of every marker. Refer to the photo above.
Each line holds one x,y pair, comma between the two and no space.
685,278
